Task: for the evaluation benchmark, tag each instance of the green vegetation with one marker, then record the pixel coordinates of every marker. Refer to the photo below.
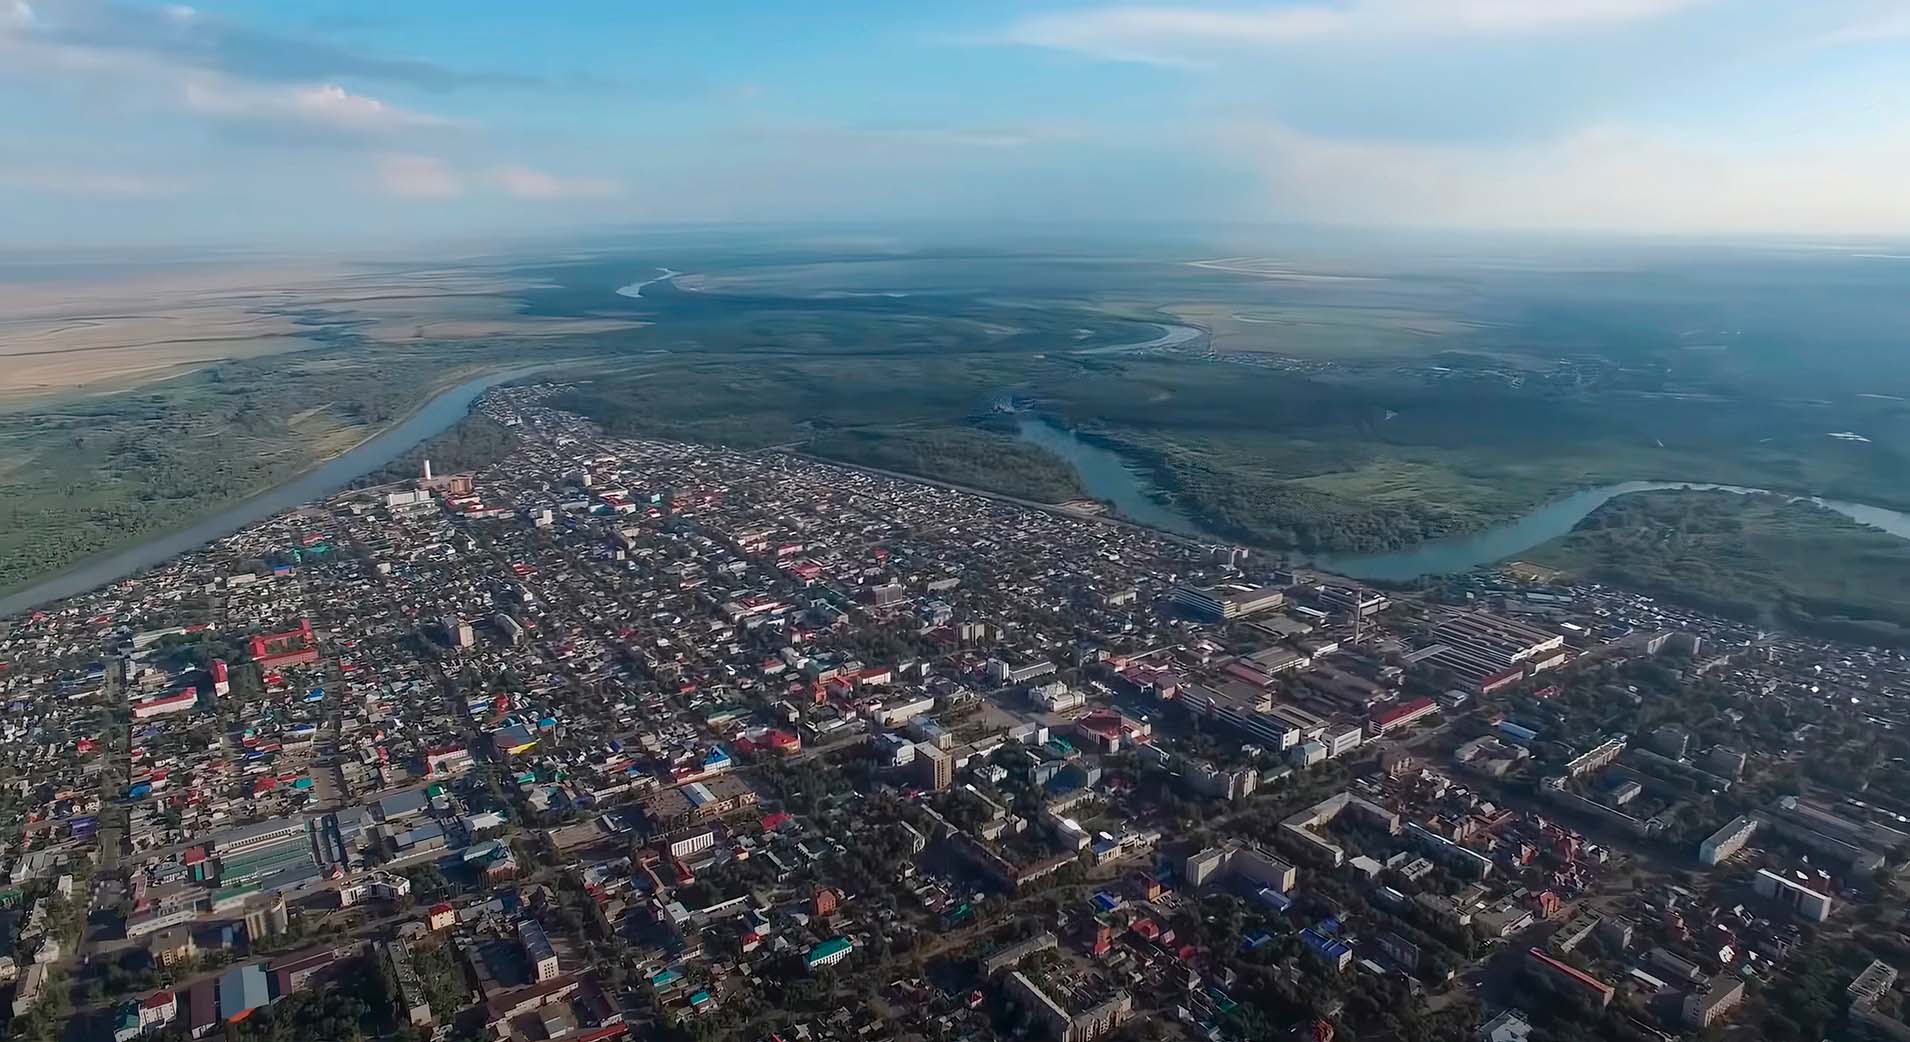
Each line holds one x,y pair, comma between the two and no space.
85,476
475,443
1348,414
1379,460
353,1008
1765,559
965,457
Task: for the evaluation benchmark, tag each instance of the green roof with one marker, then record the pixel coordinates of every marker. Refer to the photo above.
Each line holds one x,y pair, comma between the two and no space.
828,948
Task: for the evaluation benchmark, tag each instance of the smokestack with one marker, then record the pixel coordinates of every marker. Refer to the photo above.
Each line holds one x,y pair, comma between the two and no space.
427,470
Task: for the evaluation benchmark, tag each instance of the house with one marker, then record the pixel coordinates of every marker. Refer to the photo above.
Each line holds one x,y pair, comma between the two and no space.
158,1010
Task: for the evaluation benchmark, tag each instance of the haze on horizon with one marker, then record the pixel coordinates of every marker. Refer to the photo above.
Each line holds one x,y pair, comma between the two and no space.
250,121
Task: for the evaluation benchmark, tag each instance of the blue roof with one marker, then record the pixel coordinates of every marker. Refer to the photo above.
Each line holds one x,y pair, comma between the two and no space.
242,989
1278,901
1323,944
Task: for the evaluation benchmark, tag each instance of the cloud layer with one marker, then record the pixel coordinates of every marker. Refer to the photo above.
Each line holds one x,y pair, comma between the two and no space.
1186,34
1611,177
1623,115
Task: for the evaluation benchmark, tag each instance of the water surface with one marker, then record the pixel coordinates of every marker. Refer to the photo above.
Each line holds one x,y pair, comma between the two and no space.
1110,476
432,419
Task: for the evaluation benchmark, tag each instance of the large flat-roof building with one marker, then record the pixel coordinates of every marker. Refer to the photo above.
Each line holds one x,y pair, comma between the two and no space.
1245,709
243,839
1226,603
1242,861
1485,651
1301,827
668,809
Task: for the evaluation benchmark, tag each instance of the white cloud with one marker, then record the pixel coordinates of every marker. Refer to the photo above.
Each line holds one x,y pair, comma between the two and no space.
526,183
325,104
1609,178
1183,34
164,57
1889,21
418,177
88,183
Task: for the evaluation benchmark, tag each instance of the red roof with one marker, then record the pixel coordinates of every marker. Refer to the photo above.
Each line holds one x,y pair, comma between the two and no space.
158,1000
1402,711
442,907
1570,971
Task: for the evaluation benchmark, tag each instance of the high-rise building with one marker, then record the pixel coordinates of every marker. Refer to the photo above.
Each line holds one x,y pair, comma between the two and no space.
935,768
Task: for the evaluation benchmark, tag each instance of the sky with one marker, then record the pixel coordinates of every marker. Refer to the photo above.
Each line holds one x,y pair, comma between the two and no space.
362,121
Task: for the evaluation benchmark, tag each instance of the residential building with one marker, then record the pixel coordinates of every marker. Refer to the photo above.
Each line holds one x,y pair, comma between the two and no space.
1727,841
1809,904
1708,1005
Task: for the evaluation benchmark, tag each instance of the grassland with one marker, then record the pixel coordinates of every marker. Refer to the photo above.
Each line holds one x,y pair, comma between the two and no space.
1766,559
91,474
964,456
1366,405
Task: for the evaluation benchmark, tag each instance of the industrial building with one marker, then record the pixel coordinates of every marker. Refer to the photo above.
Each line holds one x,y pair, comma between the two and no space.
1246,710
1226,603
1486,651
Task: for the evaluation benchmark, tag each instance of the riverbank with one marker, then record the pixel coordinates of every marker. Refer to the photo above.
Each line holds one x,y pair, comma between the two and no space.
1776,561
1110,476
429,418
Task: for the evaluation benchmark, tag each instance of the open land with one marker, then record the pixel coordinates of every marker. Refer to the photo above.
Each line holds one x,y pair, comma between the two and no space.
1766,559
1331,402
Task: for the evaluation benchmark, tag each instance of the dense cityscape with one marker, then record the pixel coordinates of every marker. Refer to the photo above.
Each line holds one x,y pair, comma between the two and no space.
618,737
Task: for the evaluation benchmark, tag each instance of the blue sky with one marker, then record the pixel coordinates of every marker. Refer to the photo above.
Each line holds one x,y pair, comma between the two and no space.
283,121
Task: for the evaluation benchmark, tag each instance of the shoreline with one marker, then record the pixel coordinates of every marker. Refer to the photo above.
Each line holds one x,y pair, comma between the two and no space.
54,586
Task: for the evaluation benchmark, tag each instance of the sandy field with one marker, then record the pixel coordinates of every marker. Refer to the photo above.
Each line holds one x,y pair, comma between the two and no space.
96,336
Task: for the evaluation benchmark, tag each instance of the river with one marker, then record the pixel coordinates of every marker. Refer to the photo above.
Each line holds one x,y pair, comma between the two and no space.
432,419
1171,336
1110,476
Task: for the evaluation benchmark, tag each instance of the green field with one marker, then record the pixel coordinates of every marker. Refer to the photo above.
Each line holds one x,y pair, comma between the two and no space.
1764,559
1363,400
87,475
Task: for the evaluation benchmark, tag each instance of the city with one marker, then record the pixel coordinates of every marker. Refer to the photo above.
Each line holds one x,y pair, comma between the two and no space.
620,737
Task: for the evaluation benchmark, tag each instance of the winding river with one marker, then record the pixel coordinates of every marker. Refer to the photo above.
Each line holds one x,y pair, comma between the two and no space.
1171,336
1110,476
432,419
